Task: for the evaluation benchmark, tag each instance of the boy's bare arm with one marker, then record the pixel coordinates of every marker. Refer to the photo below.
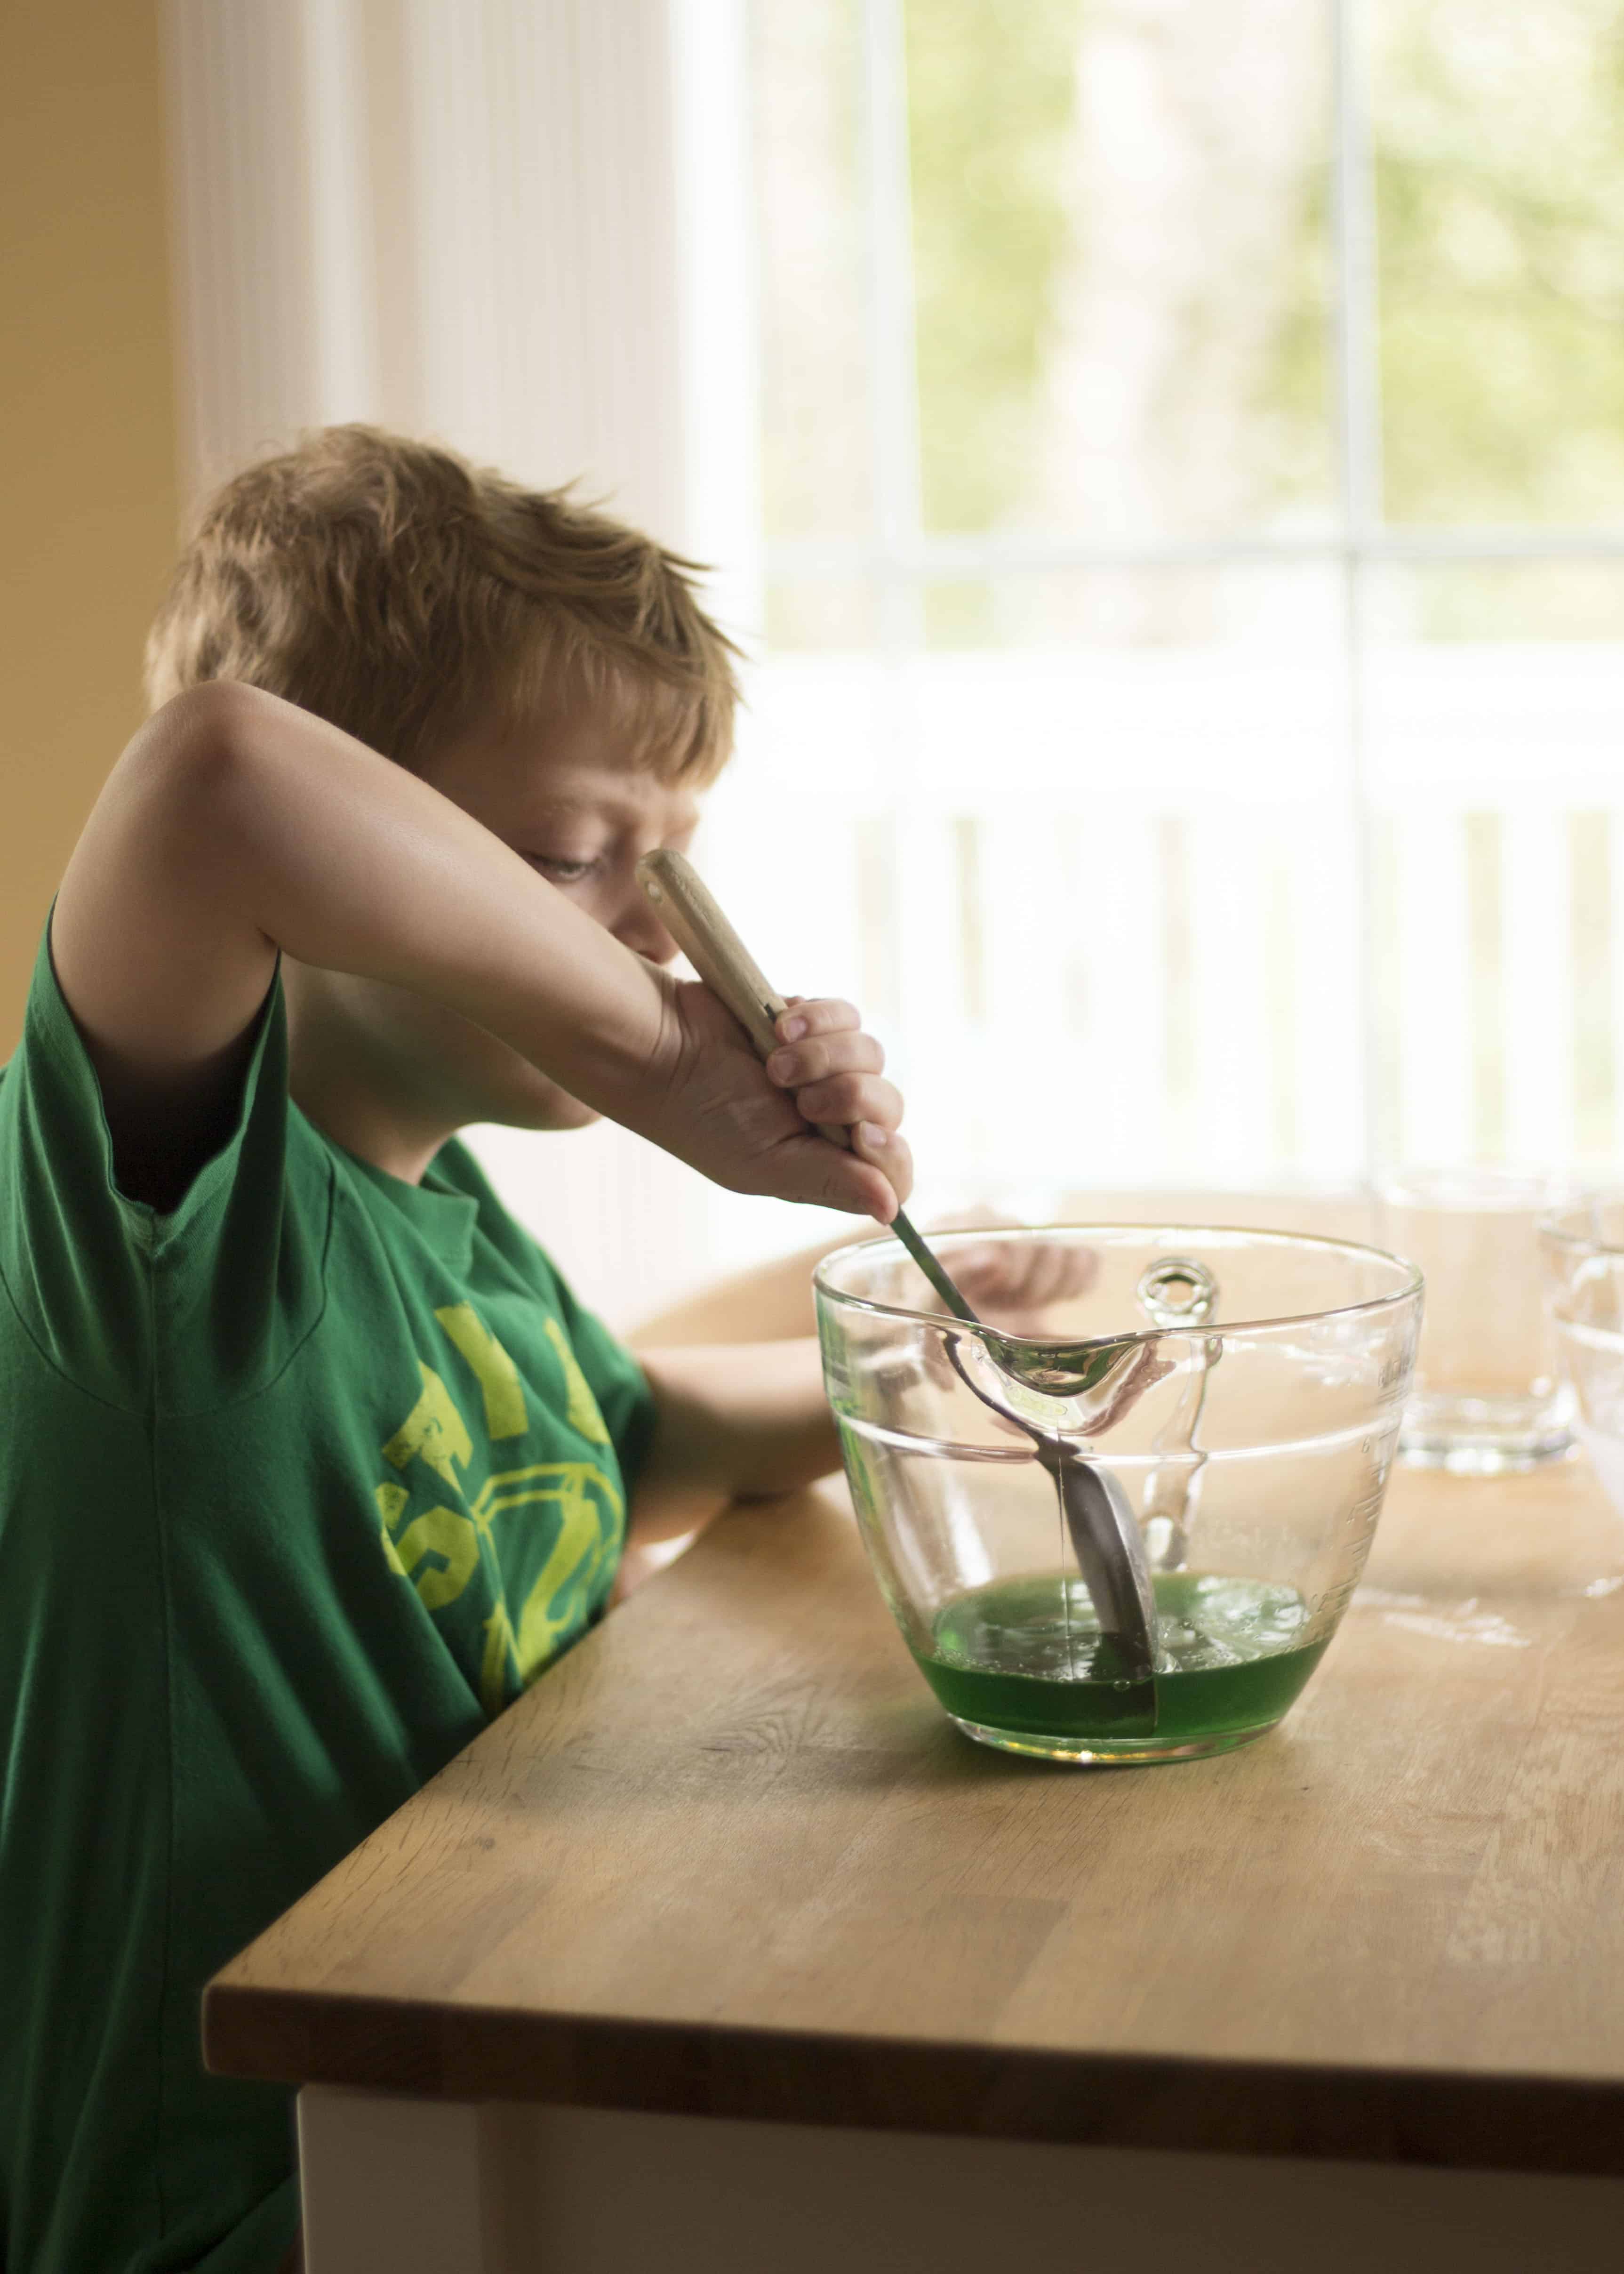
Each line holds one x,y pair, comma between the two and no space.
746,1420
236,825
736,1422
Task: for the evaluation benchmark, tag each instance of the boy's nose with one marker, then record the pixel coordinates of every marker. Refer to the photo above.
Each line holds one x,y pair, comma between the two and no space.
638,927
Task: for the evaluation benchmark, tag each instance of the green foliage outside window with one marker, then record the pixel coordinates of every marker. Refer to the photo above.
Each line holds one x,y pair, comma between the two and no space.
1499,186
990,103
1499,180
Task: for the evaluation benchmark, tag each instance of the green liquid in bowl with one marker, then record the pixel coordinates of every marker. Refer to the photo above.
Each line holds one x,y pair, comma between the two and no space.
1022,1663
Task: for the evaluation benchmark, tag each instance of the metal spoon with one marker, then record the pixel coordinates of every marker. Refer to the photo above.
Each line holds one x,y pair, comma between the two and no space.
1051,1391
1105,1537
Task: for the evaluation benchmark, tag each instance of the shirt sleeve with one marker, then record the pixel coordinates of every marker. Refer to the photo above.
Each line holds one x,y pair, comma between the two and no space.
173,1311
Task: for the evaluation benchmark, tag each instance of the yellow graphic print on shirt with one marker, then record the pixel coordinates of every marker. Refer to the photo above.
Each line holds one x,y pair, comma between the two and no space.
497,1375
440,1550
582,1413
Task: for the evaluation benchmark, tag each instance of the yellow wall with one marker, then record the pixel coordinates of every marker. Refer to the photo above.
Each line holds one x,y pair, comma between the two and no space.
89,497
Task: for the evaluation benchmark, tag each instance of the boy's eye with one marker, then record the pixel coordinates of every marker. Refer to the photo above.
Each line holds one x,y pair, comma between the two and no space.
560,872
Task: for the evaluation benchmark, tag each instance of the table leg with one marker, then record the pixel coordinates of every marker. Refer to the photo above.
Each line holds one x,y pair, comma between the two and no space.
389,2182
427,2189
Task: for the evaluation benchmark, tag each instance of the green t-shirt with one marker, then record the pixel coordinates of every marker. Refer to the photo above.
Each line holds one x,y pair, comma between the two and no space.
299,1483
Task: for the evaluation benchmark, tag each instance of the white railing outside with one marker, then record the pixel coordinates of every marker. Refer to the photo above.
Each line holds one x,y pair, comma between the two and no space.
1106,907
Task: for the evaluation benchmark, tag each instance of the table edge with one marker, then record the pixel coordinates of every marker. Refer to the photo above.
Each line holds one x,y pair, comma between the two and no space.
1446,2119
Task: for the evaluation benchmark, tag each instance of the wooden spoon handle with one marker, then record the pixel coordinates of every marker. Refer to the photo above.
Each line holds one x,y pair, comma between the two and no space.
690,915
688,911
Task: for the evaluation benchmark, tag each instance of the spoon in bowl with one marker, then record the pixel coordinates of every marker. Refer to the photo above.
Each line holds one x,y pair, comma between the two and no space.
1051,1391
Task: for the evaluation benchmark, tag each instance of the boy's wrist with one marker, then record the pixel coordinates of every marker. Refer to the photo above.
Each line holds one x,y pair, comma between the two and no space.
612,1044
617,1067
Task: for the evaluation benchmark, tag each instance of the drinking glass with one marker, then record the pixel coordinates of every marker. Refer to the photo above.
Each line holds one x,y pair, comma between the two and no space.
1581,1247
1488,1398
1250,1440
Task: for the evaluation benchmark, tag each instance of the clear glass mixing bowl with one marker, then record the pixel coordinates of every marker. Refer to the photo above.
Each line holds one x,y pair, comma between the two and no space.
1242,1389
1582,1251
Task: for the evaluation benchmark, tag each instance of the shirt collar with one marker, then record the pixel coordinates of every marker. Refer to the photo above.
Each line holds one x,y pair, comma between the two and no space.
443,1220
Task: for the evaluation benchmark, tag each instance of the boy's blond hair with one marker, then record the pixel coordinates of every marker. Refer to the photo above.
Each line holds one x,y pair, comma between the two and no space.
388,585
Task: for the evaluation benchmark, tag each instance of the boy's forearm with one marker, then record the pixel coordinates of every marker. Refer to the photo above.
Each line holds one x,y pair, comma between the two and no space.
236,825
283,834
735,1422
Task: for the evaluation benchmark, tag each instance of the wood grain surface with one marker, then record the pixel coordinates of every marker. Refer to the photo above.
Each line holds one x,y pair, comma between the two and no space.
729,1857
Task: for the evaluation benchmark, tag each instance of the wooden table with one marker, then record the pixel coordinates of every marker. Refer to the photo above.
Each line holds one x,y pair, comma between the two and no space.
721,1949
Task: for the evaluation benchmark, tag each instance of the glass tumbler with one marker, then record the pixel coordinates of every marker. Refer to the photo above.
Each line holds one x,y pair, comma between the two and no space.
1581,1249
1242,1402
1488,1398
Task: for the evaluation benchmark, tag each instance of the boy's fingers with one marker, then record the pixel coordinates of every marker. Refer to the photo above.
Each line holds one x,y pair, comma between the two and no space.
1063,1270
873,1179
792,1065
849,1097
1024,1275
820,1014
830,1073
888,1153
1082,1269
1045,1274
810,1168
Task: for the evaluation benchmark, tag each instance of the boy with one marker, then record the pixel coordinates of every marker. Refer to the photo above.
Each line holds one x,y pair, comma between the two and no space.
309,1463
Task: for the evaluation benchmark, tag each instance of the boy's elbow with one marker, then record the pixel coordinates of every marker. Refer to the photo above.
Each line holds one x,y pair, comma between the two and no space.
218,719
193,779
211,752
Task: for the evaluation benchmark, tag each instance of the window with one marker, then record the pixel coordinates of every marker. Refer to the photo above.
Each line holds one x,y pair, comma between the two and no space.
1193,469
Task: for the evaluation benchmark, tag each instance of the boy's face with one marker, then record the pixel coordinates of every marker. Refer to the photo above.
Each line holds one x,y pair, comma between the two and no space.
569,799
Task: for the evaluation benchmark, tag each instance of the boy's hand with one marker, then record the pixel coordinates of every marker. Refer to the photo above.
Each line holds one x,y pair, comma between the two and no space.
1010,1284
748,1126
